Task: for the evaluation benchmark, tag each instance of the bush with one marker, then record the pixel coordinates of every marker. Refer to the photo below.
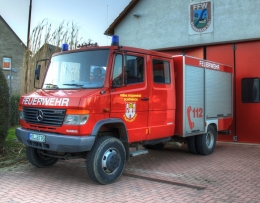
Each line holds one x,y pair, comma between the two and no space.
4,110
14,110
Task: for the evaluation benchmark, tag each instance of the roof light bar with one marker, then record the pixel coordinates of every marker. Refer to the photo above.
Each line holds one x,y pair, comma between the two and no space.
64,47
115,40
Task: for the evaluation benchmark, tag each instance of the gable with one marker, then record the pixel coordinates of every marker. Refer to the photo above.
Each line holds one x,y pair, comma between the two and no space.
6,30
122,15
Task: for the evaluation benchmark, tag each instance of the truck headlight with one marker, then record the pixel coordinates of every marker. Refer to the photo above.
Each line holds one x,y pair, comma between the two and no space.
76,117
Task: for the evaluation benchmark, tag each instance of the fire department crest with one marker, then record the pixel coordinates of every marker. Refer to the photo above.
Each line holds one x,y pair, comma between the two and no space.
130,111
201,17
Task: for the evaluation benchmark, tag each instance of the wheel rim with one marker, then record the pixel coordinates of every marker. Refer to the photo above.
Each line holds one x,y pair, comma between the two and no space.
210,139
111,161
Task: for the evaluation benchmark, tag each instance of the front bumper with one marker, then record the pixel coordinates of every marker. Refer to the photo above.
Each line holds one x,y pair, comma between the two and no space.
57,142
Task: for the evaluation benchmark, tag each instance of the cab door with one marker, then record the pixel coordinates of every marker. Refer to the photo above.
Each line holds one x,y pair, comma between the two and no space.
129,93
162,103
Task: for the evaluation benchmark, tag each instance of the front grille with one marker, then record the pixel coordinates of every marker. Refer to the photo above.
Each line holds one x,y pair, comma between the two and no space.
50,117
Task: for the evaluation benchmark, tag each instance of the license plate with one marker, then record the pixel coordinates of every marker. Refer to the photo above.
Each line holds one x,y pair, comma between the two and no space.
36,137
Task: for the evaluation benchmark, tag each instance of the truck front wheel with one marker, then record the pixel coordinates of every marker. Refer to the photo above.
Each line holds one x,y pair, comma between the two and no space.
38,160
206,142
106,160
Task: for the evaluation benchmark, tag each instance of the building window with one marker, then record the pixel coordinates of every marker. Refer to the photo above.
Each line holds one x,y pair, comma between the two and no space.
250,90
161,71
6,63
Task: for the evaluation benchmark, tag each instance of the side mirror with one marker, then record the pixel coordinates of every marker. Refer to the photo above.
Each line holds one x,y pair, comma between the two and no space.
38,75
37,72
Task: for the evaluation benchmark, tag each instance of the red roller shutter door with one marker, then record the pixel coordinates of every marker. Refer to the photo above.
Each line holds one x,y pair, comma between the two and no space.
222,54
248,114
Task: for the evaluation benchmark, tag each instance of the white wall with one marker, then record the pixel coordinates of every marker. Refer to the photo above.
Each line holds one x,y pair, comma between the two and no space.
164,24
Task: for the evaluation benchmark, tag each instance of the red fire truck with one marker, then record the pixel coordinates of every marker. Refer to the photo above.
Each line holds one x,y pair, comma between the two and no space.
98,102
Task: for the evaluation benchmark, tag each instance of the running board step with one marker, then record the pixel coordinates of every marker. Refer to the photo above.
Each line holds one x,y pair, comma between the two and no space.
225,132
138,152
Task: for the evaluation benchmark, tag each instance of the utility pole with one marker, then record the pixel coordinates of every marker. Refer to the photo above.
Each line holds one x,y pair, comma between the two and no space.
29,24
27,53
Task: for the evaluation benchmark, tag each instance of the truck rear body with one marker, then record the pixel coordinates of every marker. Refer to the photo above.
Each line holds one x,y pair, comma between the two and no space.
204,95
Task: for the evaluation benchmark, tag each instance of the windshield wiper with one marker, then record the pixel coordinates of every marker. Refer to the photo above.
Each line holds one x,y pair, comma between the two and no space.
51,86
74,84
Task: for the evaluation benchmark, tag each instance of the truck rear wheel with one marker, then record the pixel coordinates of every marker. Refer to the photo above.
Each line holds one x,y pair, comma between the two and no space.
106,160
38,160
206,142
191,141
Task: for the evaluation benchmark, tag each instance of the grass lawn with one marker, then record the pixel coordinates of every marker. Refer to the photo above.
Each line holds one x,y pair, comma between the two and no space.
14,151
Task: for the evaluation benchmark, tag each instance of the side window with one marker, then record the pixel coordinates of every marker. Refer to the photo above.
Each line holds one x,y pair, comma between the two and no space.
250,90
6,63
134,69
161,71
131,73
117,71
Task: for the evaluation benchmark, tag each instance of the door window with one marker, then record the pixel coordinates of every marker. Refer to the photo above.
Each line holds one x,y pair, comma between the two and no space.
117,72
134,69
161,71
128,71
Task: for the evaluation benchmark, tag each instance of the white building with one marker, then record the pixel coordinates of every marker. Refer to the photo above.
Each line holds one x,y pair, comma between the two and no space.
224,31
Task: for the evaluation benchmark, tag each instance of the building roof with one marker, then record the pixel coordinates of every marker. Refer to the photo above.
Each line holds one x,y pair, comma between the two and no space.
1,18
122,15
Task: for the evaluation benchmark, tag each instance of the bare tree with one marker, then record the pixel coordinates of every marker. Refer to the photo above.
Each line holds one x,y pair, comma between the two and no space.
43,43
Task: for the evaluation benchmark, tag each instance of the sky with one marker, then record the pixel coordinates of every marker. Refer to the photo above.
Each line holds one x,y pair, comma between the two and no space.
92,17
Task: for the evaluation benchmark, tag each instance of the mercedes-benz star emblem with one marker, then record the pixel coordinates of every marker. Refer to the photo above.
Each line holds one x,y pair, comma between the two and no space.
39,115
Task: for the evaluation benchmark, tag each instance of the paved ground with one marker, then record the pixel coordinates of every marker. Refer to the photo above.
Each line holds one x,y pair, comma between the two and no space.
230,174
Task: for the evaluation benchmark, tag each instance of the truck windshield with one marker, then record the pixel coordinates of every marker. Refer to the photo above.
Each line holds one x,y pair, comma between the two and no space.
83,69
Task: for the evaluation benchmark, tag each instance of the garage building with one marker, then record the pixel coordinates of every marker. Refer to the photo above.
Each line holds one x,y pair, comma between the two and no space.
227,32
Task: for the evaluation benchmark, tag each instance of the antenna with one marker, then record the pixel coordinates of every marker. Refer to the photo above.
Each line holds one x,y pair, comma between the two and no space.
107,24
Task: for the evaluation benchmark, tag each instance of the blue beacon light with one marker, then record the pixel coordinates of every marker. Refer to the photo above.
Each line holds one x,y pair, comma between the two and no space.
64,47
115,40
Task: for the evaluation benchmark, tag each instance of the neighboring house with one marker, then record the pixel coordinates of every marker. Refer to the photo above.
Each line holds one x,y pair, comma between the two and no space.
224,31
11,55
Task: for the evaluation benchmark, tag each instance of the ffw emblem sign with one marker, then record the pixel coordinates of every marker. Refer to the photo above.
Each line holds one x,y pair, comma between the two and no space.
201,17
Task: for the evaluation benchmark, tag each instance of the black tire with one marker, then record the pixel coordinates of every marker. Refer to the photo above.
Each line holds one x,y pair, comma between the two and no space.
38,160
155,147
206,142
106,160
191,142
